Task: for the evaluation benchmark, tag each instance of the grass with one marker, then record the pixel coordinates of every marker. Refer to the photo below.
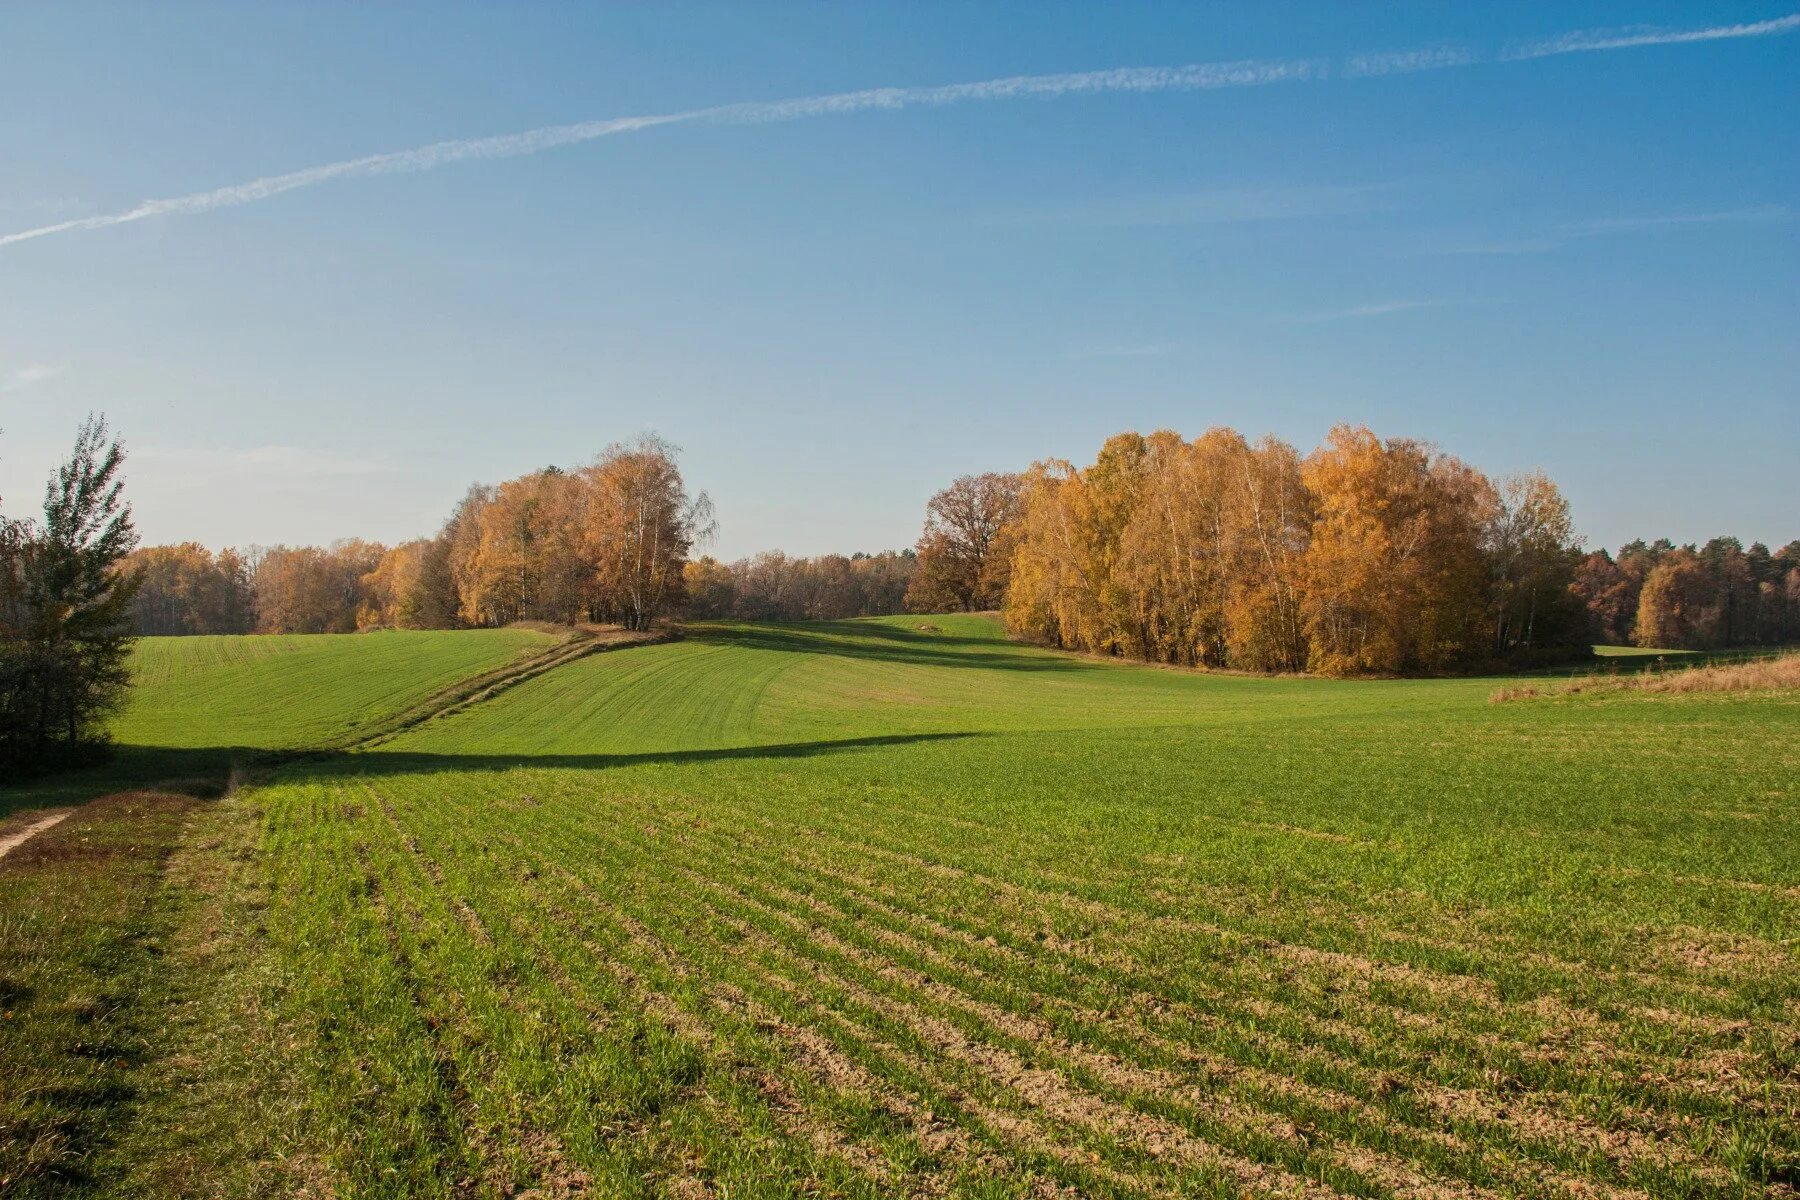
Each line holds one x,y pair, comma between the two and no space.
82,926
1644,652
281,692
199,705
865,909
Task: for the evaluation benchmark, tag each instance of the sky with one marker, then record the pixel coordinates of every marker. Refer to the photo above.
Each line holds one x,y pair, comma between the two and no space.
324,267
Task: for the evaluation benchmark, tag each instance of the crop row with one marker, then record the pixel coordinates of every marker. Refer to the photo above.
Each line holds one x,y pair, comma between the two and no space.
636,990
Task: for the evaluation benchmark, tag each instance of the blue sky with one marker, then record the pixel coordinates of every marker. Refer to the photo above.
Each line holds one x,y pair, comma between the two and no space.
1582,261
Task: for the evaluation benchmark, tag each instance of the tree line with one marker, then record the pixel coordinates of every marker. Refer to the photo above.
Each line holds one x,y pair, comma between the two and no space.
1367,555
1693,597
353,585
773,586
606,542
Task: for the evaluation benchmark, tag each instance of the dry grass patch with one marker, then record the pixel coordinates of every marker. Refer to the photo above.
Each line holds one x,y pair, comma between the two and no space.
1780,673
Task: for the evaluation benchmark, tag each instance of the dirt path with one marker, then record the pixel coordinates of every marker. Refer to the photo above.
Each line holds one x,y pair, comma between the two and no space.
45,820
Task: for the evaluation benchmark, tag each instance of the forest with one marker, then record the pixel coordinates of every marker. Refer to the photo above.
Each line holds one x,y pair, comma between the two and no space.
1367,555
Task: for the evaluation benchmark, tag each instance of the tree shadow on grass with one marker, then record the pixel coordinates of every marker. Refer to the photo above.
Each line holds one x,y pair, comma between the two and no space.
870,640
399,762
205,773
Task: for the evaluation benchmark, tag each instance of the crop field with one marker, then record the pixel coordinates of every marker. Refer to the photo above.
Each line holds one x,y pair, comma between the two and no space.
895,908
200,705
285,692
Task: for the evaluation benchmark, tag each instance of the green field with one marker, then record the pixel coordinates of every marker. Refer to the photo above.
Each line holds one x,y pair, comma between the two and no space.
288,692
201,705
893,907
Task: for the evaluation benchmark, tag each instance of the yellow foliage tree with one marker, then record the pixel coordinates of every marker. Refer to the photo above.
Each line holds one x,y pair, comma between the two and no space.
1394,573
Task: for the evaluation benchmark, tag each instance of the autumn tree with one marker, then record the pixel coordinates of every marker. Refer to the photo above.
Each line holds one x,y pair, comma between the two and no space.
773,586
1609,594
964,556
1395,574
1777,578
312,589
1273,510
1734,588
1679,606
1784,589
1210,554
410,588
882,580
1175,549
187,589
710,587
639,526
1068,588
519,554
1054,593
1716,595
605,542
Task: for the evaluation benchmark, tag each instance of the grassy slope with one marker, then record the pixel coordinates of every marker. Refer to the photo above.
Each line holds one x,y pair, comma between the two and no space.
873,910
200,703
283,692
732,685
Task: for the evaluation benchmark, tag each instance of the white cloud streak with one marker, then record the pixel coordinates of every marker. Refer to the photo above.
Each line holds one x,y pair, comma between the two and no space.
1199,76
1125,350
1194,77
1224,206
1360,311
1406,62
30,374
1611,226
1586,40
1767,212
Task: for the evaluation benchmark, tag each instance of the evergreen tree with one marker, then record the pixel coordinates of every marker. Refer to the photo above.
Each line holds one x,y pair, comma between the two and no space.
67,623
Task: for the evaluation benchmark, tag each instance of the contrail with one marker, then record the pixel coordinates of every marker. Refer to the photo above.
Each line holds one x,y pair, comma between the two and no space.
1193,77
1624,39
420,158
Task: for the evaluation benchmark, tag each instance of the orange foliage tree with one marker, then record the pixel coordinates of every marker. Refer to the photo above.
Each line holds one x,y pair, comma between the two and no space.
1395,577
410,588
1367,556
1679,607
606,542
308,589
187,589
1704,597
